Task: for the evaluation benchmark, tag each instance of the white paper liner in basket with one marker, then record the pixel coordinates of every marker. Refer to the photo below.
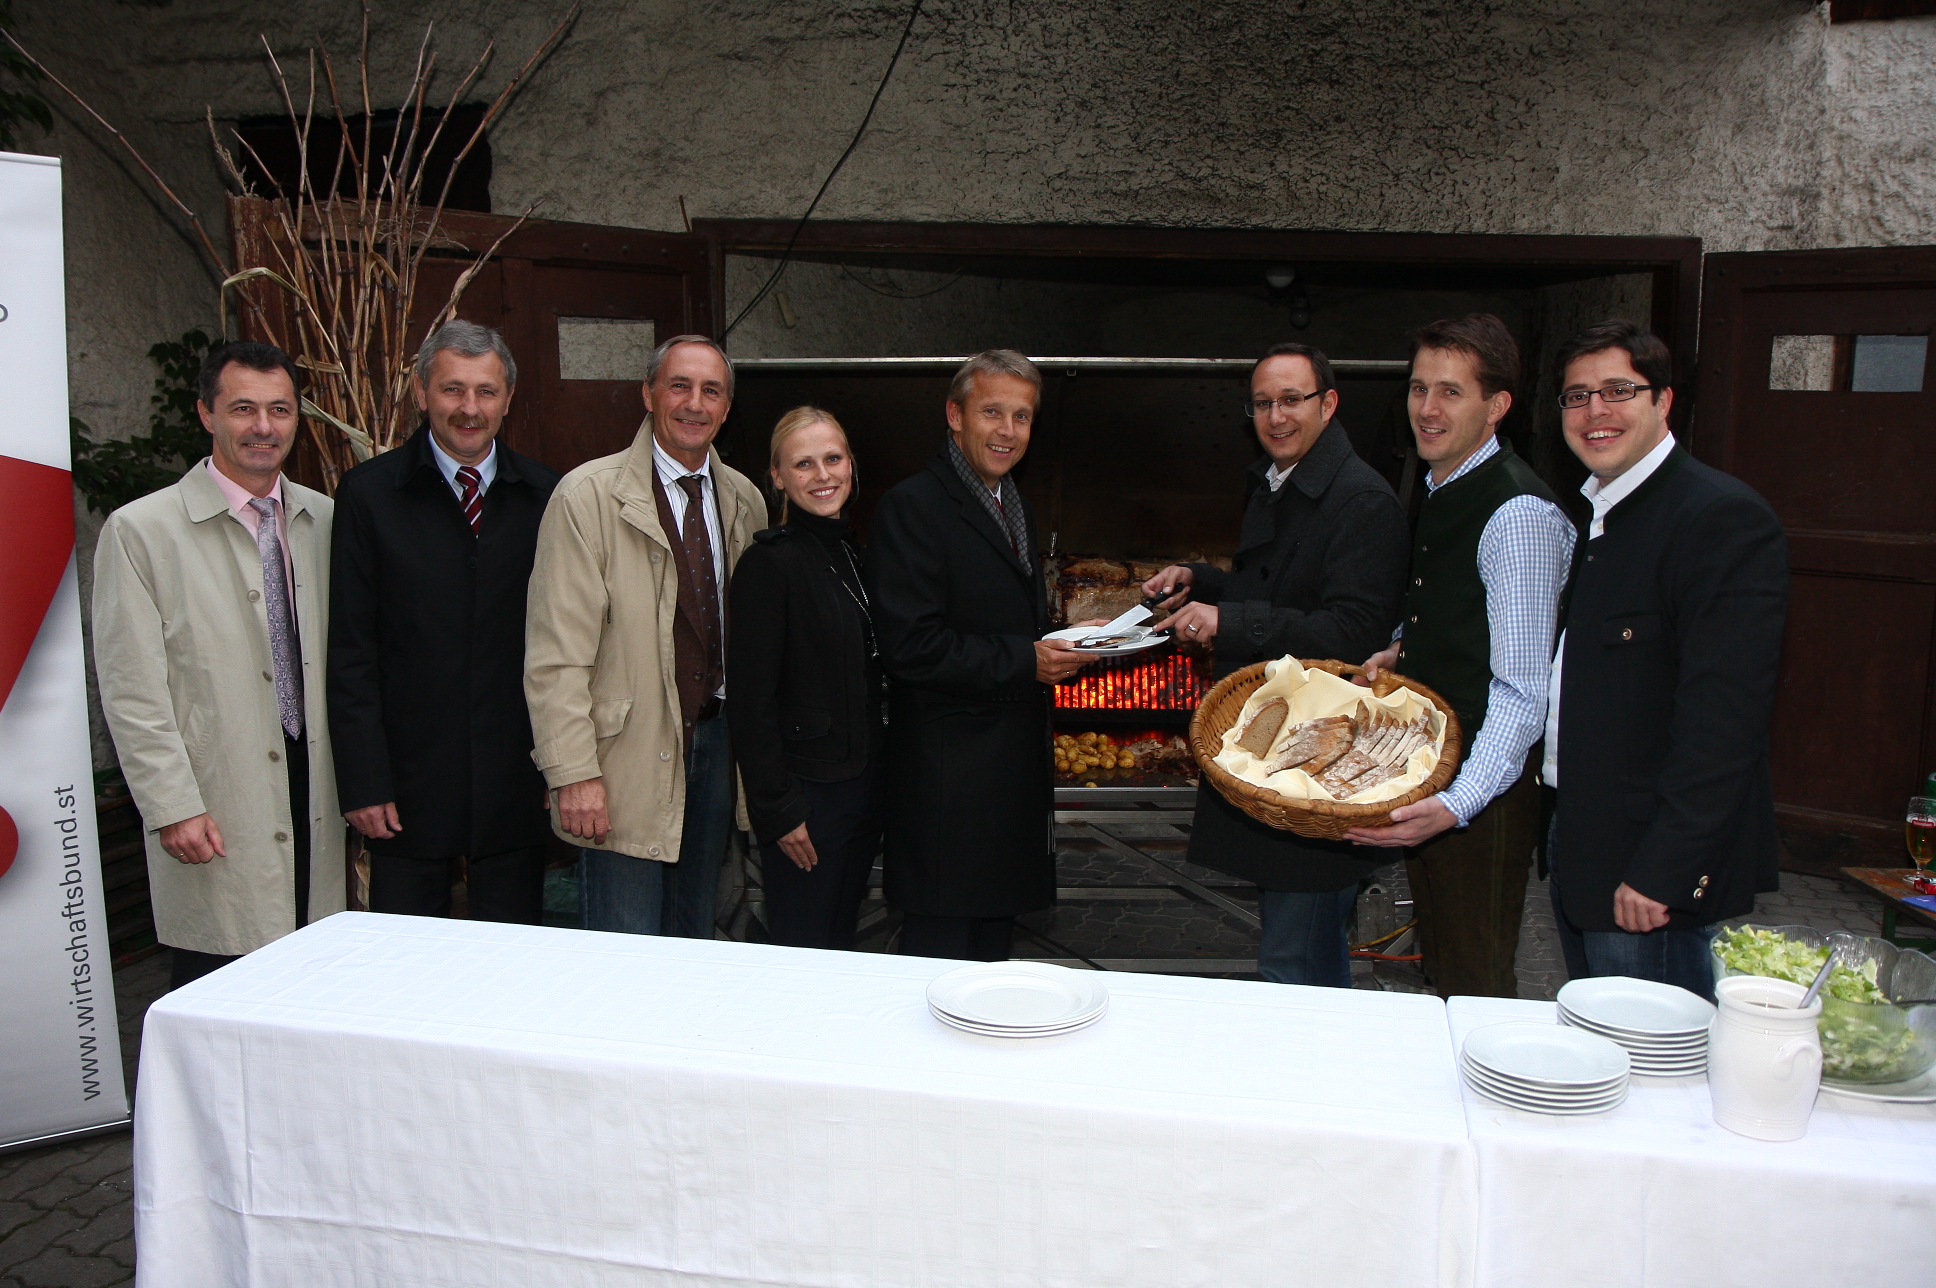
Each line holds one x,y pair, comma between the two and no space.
1314,695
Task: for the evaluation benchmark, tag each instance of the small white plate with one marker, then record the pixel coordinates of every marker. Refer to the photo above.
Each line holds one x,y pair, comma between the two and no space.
993,1031
1550,1056
1146,640
1638,1045
1916,1091
1018,995
1600,1095
1512,1102
1640,1007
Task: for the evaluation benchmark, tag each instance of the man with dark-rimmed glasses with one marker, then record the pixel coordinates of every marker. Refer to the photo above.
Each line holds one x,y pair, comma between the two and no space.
1318,572
1663,683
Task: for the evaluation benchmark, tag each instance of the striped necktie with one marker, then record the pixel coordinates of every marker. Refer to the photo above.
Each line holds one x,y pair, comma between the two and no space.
473,496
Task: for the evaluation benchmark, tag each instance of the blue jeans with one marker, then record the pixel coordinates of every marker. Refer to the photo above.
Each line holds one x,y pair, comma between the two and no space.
1304,937
1666,956
646,897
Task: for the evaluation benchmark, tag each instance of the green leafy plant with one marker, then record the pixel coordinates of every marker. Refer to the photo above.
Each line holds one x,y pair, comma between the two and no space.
110,472
19,104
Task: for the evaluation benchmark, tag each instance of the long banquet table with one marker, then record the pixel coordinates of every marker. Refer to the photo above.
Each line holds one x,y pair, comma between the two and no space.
404,1101
400,1101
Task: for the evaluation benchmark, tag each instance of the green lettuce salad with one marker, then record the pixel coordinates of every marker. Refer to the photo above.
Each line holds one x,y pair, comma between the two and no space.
1864,1038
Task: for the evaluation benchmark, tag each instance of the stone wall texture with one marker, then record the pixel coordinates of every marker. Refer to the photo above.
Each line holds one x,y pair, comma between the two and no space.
1752,124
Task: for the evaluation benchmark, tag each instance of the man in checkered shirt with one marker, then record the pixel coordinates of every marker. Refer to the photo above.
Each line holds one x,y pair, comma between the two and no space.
1489,562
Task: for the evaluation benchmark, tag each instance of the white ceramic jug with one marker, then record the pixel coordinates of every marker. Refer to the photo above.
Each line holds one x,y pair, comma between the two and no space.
1764,1059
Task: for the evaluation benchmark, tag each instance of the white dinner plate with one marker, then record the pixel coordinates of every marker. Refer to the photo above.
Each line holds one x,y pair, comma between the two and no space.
1514,1102
1915,1091
1640,1007
1478,1077
993,1031
1018,994
1148,640
1663,1046
1550,1056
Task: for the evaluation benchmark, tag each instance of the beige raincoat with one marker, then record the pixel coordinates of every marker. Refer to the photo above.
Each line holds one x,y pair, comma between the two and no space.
181,649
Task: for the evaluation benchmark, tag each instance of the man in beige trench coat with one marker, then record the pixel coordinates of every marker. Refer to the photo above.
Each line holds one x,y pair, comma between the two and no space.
210,622
624,662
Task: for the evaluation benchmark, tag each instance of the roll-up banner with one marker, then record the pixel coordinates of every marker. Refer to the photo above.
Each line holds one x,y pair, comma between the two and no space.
60,1053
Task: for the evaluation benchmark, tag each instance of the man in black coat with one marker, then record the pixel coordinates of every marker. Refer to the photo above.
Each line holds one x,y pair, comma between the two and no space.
960,610
433,546
1319,572
1657,725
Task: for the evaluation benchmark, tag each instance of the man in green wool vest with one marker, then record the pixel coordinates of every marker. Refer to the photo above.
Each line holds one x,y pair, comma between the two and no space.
1489,563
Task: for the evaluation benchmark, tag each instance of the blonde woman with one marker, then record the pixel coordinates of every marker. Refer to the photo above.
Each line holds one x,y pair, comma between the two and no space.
807,717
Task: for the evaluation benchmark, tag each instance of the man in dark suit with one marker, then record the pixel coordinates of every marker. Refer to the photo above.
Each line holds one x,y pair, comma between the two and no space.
1318,573
432,550
960,613
1657,726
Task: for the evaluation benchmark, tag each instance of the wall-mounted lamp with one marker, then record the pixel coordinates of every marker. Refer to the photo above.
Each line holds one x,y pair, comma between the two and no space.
1281,278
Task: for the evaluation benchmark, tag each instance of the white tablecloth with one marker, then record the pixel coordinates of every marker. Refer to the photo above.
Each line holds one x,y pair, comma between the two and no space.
402,1101
1654,1193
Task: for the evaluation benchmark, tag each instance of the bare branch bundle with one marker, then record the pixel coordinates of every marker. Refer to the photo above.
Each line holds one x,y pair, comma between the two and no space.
346,262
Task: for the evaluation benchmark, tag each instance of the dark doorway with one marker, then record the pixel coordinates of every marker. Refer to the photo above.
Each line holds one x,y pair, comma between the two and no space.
273,156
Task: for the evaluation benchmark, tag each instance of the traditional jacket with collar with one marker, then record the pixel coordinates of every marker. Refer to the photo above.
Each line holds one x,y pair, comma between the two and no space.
1673,638
1319,572
181,650
599,669
958,612
426,653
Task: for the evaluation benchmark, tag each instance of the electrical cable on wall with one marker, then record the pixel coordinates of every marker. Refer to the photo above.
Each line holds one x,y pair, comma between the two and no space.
800,227
863,283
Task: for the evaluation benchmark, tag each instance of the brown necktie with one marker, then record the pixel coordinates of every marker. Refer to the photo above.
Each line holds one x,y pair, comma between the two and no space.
699,564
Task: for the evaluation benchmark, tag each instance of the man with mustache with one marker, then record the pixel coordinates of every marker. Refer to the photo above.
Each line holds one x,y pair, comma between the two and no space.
1489,563
209,623
433,547
625,661
1663,683
960,610
1318,572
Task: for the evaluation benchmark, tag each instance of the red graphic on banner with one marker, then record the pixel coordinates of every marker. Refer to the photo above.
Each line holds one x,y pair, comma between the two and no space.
36,538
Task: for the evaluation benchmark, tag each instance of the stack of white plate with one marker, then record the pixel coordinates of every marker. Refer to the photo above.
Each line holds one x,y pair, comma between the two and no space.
1018,999
1544,1068
1662,1027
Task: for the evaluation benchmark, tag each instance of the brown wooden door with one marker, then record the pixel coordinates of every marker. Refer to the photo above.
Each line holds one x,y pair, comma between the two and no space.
1813,391
580,306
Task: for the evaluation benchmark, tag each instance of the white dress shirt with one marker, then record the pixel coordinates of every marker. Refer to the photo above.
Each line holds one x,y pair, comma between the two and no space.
1276,477
1604,497
486,468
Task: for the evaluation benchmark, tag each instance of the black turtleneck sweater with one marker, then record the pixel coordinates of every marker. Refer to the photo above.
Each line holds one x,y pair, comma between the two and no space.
805,684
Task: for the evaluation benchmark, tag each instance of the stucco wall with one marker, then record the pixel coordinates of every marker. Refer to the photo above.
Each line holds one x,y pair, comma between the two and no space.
1752,124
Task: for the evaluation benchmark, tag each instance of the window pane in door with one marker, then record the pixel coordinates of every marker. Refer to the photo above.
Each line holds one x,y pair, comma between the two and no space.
1803,363
604,348
1889,364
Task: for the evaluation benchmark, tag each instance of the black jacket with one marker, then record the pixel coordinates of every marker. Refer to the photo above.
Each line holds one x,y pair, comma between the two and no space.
1673,637
969,769
426,653
1319,572
806,697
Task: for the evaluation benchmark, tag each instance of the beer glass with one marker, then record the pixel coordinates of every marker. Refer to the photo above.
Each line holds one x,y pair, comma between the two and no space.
1919,828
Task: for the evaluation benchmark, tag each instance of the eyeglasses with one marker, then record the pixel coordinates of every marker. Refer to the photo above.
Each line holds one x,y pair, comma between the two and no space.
1289,402
1573,399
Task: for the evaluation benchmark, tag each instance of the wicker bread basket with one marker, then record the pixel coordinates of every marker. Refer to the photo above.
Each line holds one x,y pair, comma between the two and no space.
1323,819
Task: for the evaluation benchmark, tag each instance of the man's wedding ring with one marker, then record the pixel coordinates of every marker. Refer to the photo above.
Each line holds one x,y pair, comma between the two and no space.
1193,628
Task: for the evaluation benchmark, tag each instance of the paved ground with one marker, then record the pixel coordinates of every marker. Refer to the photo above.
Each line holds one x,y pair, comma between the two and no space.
65,1210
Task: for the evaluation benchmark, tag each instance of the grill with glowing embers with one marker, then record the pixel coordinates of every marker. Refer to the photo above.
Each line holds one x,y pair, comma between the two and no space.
1175,681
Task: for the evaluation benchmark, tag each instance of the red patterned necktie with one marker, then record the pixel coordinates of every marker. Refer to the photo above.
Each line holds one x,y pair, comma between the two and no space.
473,498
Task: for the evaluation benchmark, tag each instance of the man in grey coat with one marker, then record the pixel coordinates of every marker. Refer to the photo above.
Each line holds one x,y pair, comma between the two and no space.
210,617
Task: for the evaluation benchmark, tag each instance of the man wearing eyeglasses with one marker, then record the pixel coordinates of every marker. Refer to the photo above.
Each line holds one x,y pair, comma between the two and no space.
1489,563
1318,572
1663,683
